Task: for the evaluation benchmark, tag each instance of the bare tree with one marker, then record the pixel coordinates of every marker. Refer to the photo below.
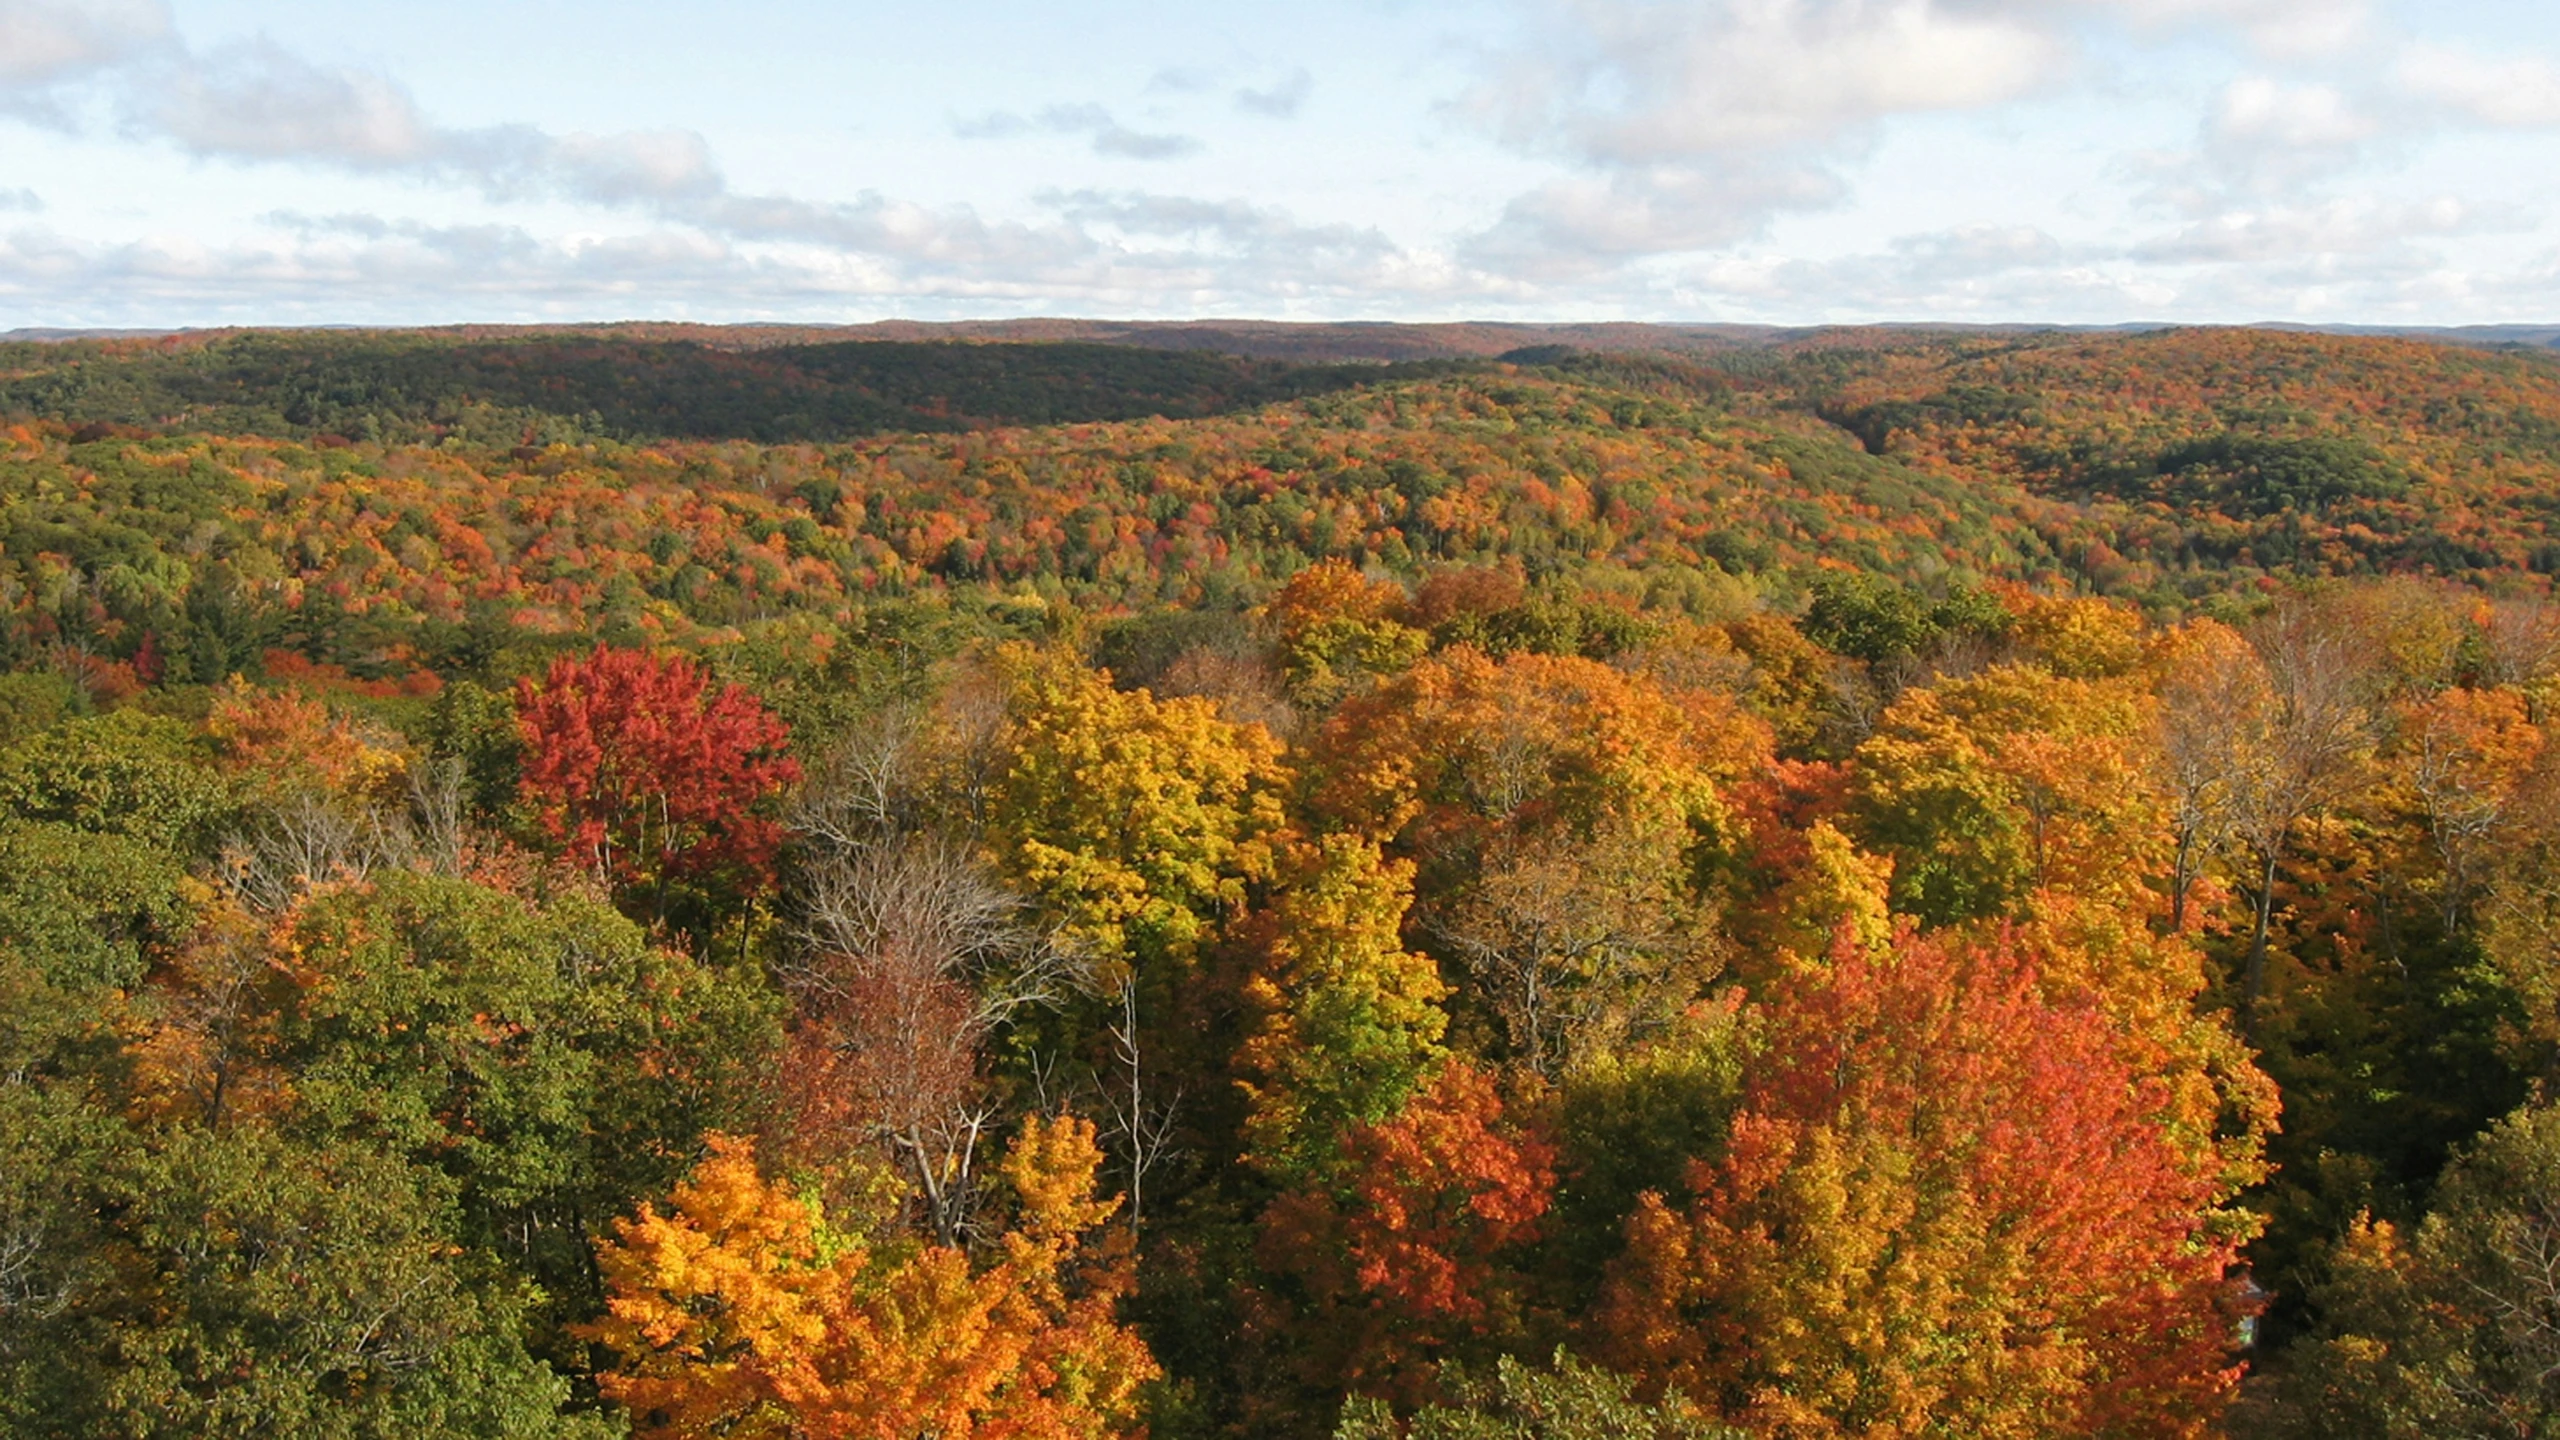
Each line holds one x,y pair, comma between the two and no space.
2209,707
2522,642
1143,1127
911,953
305,842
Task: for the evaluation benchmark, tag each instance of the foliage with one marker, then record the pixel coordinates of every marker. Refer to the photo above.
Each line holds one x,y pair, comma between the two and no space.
1807,874
1416,1259
650,775
2451,1334
1944,1205
1570,1401
738,1312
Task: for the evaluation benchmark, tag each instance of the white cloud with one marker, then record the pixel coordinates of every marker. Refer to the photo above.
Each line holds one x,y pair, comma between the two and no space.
2343,227
262,102
2523,91
2257,111
1619,82
1689,124
45,41
1108,135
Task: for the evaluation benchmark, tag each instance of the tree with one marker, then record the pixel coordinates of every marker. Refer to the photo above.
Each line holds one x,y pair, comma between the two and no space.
1946,1206
1347,1021
2305,731
1337,628
1563,816
1138,824
913,955
1514,1401
1991,790
238,1282
546,1062
1138,820
1414,1256
2452,1332
2465,757
738,1311
649,775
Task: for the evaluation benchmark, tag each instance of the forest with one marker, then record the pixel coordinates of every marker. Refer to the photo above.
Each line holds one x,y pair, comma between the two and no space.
1875,885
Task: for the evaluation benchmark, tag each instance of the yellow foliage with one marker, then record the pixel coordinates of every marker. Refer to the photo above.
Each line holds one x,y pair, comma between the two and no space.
737,1313
1140,820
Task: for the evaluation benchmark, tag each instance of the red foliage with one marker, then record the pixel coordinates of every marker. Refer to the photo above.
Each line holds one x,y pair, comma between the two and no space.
647,774
1946,1205
1413,1260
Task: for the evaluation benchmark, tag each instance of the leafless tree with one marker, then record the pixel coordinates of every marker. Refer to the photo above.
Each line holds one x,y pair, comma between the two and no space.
1142,1126
2522,643
910,954
439,814
305,842
2209,707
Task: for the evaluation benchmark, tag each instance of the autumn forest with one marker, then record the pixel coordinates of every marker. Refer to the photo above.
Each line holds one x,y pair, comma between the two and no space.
1878,884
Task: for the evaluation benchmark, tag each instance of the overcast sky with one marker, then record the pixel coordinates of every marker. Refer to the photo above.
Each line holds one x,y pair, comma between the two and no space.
192,162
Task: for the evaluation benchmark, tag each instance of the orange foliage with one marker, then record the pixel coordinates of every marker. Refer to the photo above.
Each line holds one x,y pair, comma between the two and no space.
737,1312
1418,1257
1946,1207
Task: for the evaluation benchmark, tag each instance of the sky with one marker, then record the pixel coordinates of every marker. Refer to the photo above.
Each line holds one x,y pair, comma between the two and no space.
212,162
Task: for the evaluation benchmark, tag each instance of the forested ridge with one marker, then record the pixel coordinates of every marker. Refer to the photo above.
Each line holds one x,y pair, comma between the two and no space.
1879,885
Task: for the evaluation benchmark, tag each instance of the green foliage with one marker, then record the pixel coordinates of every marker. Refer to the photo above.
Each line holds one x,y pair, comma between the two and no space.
547,1059
564,388
2458,1333
1870,618
33,700
2265,475
82,906
1635,1122
233,1282
1568,1400
127,773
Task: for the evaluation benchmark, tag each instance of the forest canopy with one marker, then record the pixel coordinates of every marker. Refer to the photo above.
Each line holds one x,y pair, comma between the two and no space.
1877,886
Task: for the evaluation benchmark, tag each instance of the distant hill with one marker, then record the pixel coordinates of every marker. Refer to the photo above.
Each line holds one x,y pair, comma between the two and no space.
538,386
1305,342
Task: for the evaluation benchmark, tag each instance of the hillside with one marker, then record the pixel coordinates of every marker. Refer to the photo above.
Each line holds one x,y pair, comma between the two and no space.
1853,883
2162,468
396,387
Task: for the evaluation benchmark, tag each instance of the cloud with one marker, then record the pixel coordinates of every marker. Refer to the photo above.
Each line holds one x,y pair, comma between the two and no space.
2336,227
261,102
43,42
2523,92
1642,82
1109,136
1690,124
25,202
1279,100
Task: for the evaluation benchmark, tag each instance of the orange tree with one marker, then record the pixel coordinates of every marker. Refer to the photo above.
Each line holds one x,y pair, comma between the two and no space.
1947,1206
740,1312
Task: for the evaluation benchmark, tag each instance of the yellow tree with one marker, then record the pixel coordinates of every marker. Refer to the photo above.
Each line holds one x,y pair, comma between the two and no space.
1989,790
1562,813
1347,1021
739,1313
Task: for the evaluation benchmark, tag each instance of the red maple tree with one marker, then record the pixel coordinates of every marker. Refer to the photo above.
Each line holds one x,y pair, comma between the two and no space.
648,774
